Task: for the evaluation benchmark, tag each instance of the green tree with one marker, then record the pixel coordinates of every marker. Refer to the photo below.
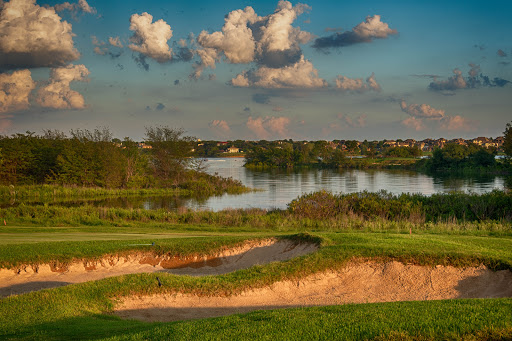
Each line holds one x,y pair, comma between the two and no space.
170,150
507,144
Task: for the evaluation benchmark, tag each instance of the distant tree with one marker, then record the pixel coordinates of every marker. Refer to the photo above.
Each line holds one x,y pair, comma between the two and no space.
484,157
170,150
507,144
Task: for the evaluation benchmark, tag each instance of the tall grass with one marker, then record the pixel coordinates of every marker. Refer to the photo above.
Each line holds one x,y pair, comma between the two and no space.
457,206
201,186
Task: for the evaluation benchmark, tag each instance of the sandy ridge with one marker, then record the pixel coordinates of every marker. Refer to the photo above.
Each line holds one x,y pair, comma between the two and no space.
36,277
355,283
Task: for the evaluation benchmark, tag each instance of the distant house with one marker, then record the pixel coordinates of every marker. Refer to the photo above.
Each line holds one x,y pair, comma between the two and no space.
233,150
480,141
459,141
143,145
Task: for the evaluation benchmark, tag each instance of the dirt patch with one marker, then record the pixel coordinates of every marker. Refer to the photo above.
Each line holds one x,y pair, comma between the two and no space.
32,278
355,283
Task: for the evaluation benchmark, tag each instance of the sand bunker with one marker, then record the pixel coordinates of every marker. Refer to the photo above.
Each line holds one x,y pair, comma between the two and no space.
356,283
32,278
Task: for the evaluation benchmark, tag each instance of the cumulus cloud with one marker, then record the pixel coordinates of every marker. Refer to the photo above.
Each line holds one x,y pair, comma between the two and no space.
357,85
365,32
457,123
454,82
81,6
150,39
269,127
414,123
475,79
270,41
34,36
115,42
299,75
15,89
58,94
422,111
220,128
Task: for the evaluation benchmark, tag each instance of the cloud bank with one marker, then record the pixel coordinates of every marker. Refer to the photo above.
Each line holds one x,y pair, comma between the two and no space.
475,79
34,36
271,42
357,85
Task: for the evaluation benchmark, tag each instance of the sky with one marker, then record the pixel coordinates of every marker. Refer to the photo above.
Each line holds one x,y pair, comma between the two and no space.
256,70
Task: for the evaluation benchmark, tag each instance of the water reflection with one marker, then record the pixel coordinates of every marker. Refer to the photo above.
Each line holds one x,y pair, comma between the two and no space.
282,186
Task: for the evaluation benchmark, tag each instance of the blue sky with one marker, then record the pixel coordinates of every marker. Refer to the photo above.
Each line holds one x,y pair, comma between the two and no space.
354,70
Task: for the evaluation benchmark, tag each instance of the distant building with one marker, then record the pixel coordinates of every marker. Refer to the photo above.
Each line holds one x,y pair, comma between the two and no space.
233,150
143,145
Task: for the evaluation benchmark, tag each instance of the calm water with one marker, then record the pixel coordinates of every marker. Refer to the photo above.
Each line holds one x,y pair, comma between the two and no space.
280,187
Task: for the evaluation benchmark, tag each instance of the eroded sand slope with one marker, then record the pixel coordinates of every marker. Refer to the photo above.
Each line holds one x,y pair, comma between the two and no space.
356,283
32,278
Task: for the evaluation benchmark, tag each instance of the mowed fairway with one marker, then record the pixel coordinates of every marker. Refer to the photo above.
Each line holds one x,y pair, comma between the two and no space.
85,310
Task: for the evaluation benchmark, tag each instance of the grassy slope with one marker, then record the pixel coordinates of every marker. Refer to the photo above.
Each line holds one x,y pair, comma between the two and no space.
78,310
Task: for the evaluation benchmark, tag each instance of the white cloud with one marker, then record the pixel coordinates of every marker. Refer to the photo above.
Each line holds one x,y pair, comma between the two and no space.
270,41
58,94
422,111
34,36
365,32
15,89
299,75
150,39
357,85
372,27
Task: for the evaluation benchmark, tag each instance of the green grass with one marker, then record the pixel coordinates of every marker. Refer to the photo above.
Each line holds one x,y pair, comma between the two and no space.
76,310
13,255
448,320
83,310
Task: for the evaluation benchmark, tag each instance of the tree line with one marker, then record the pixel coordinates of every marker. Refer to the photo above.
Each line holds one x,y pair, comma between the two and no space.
96,159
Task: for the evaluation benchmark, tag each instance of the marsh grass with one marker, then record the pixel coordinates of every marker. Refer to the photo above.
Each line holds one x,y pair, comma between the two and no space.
331,219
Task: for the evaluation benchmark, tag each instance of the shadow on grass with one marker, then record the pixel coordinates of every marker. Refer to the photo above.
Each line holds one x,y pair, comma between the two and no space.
88,327
449,319
23,288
